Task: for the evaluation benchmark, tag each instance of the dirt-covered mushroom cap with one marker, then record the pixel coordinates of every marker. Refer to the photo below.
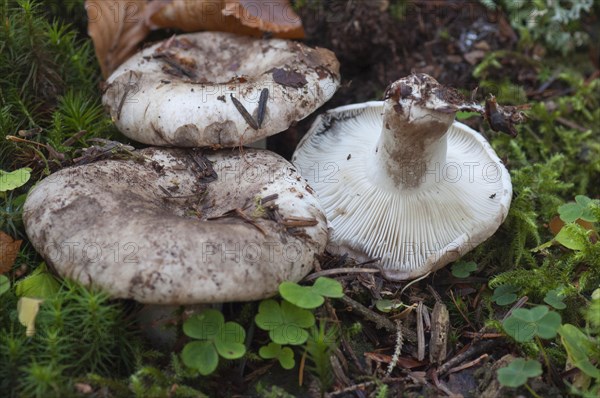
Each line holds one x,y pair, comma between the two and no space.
179,226
400,180
218,89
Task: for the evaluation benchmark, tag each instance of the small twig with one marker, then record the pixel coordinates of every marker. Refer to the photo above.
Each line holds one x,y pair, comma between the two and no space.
518,304
380,321
420,333
476,348
362,386
336,271
468,364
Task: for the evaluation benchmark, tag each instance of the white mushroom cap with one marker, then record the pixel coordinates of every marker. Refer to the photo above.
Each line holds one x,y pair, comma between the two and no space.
401,181
181,92
156,228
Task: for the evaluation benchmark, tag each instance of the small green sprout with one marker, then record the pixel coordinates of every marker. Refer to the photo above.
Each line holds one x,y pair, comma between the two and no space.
463,269
505,294
285,322
284,355
310,297
14,179
216,336
518,372
525,324
385,305
554,298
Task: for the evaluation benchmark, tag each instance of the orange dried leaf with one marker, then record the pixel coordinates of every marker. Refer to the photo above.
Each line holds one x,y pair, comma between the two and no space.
245,17
9,249
116,28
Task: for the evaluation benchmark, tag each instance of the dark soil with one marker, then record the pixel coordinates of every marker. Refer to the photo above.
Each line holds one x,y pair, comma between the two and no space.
377,42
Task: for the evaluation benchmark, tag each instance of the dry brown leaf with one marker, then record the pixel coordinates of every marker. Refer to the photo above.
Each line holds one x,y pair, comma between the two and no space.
116,28
9,249
246,17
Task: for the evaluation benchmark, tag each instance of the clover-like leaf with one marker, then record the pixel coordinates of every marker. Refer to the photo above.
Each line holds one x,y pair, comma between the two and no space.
554,298
505,294
14,179
518,372
201,355
302,296
285,322
524,324
4,284
462,269
580,209
204,326
284,355
310,297
217,338
328,287
230,341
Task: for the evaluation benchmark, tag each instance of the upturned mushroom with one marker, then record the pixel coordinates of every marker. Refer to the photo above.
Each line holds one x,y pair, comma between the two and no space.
179,226
402,182
218,89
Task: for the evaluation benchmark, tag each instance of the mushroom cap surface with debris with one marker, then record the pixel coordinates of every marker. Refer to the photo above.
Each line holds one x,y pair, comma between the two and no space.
187,91
401,181
179,226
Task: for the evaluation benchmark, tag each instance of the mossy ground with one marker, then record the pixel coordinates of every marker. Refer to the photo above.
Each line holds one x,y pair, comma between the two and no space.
50,101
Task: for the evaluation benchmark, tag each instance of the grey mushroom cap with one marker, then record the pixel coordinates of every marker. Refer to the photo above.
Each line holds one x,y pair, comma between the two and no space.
402,182
192,90
166,228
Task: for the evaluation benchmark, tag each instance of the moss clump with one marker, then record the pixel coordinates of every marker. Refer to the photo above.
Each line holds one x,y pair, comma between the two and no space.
48,88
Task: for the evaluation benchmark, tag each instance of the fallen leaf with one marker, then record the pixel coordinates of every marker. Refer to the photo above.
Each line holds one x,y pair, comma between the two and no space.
9,249
116,29
245,17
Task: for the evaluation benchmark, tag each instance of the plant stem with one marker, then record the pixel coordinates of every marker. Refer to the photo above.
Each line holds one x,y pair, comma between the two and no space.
533,393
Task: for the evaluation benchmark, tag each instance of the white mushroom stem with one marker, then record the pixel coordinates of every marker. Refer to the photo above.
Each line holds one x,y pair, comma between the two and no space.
413,140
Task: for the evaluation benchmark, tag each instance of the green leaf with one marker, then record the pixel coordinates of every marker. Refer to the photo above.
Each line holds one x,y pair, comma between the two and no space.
286,358
580,209
230,341
302,296
328,287
14,179
518,372
286,323
505,294
462,269
524,324
4,284
582,200
200,355
204,326
462,115
385,305
310,297
570,212
39,284
270,351
568,239
284,355
555,299
579,349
